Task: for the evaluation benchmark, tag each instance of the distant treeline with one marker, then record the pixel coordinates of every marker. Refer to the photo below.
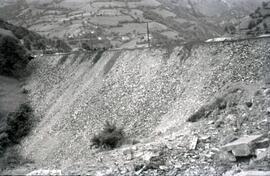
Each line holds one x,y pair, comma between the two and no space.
32,40
16,45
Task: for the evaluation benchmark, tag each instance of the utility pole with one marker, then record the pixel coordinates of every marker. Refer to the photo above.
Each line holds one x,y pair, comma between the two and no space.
268,131
148,34
80,43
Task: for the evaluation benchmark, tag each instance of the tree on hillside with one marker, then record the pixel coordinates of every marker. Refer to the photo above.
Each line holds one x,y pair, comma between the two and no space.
251,24
13,56
27,44
264,4
230,29
266,29
40,45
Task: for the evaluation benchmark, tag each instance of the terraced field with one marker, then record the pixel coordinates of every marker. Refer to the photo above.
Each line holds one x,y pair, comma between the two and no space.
115,19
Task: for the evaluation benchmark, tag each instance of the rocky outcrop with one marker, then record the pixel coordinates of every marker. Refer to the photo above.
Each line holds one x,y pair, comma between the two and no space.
244,146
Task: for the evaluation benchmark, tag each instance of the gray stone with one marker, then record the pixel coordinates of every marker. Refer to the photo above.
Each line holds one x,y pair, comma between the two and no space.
228,139
193,143
45,172
205,138
253,173
242,146
268,110
267,91
226,156
261,154
148,155
264,143
129,154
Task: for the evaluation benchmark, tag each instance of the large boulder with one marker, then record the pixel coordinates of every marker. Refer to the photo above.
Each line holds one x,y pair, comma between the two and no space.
244,146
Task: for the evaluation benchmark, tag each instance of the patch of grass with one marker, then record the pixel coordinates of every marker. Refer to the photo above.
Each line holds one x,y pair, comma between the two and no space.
13,56
111,62
230,97
25,91
98,56
63,59
110,137
19,123
219,104
86,57
13,128
12,158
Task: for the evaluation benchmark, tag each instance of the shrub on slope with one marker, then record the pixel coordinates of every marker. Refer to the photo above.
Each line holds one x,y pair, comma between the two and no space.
259,22
110,137
13,56
13,129
19,123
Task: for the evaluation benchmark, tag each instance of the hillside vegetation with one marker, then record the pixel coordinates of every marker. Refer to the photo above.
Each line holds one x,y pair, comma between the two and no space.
13,56
258,22
17,44
32,40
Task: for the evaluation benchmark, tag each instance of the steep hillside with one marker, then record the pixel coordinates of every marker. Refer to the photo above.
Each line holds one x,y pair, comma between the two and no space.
17,47
151,93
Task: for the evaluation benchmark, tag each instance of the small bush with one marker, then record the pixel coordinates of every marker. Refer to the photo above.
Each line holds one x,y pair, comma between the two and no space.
110,137
98,56
12,158
219,103
25,91
13,56
19,123
13,129
63,59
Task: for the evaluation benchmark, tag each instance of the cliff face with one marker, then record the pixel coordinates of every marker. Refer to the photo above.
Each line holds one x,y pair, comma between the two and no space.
148,92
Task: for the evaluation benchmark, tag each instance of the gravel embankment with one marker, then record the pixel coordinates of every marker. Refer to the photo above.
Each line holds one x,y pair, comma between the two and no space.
141,90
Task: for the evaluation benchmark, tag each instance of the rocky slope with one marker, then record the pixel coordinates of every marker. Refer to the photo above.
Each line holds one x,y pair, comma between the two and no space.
152,94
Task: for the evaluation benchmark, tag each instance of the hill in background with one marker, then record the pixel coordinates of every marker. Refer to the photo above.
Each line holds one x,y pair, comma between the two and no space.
257,22
119,23
17,46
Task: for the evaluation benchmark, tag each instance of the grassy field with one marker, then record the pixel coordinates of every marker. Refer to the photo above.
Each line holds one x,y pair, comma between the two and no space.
109,12
144,3
136,13
170,34
113,4
109,20
117,19
154,26
130,28
164,13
